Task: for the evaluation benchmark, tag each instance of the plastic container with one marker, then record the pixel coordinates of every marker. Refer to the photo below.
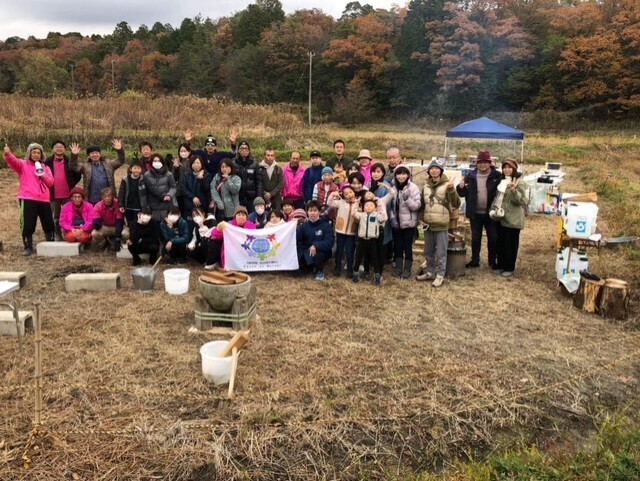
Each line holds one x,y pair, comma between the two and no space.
580,219
216,369
578,262
176,281
143,278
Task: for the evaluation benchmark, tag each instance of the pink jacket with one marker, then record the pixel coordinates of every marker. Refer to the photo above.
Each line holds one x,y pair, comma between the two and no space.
66,216
32,187
109,215
292,183
216,234
366,172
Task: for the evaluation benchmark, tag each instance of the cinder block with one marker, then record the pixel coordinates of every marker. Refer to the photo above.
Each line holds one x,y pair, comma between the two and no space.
19,277
124,254
8,322
58,249
92,282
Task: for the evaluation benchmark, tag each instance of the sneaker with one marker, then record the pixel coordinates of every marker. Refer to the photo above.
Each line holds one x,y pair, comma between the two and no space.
377,279
355,278
425,276
210,267
438,281
27,251
496,267
365,275
319,276
507,274
472,265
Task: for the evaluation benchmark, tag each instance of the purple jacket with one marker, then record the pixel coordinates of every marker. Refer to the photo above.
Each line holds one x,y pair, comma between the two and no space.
32,187
66,217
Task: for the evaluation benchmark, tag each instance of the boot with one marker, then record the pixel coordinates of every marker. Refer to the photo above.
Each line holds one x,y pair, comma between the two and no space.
397,272
28,246
57,232
406,272
49,236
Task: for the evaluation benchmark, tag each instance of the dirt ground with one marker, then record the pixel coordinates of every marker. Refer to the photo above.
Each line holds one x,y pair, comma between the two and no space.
338,381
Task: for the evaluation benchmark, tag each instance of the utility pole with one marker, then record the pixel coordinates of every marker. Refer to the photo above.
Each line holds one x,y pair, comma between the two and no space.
73,83
113,74
311,55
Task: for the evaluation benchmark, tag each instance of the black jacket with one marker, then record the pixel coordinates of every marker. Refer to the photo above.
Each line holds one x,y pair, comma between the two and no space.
470,190
145,234
72,177
250,174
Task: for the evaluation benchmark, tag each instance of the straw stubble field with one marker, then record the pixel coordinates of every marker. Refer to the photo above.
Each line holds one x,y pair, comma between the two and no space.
338,381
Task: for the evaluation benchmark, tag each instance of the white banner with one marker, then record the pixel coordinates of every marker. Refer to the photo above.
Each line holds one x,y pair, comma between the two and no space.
269,249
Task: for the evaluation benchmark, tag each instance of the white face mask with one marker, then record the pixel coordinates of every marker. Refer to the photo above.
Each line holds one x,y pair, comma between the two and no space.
157,165
144,219
173,218
184,155
259,210
198,219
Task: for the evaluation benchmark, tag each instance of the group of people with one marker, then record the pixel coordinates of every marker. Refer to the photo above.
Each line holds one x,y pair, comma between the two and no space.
362,213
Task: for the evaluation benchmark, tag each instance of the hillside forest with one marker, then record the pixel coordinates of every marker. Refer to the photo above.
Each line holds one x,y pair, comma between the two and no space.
449,59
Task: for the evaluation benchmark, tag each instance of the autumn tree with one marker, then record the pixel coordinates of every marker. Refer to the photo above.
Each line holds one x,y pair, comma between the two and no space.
85,77
601,71
287,45
415,82
474,50
365,58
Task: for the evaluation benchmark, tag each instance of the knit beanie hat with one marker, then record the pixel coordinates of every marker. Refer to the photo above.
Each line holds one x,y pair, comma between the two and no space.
34,146
327,170
435,163
240,208
76,190
258,201
299,214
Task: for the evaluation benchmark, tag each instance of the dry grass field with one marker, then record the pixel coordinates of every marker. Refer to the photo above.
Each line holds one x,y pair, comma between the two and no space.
338,381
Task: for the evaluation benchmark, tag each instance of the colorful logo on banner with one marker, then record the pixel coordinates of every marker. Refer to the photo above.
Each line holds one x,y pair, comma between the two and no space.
261,247
269,249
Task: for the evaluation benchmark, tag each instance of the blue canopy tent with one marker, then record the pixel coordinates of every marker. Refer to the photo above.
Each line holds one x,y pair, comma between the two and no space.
485,128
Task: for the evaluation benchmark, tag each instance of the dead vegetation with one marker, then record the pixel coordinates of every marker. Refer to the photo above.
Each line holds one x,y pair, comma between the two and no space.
338,381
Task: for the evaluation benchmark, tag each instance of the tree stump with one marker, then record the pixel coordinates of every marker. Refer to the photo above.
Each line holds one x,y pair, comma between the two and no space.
614,300
587,297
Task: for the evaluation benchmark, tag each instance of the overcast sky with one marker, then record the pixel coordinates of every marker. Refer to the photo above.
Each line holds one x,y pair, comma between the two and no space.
39,17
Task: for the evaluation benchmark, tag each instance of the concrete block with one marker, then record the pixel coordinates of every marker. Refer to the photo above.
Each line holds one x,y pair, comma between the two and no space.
8,322
58,249
92,282
124,254
19,277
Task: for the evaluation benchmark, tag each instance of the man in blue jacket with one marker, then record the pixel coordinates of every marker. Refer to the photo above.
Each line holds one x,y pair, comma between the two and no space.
315,240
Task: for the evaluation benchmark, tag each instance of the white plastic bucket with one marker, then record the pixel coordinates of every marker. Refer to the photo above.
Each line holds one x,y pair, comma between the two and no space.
580,219
214,368
176,281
